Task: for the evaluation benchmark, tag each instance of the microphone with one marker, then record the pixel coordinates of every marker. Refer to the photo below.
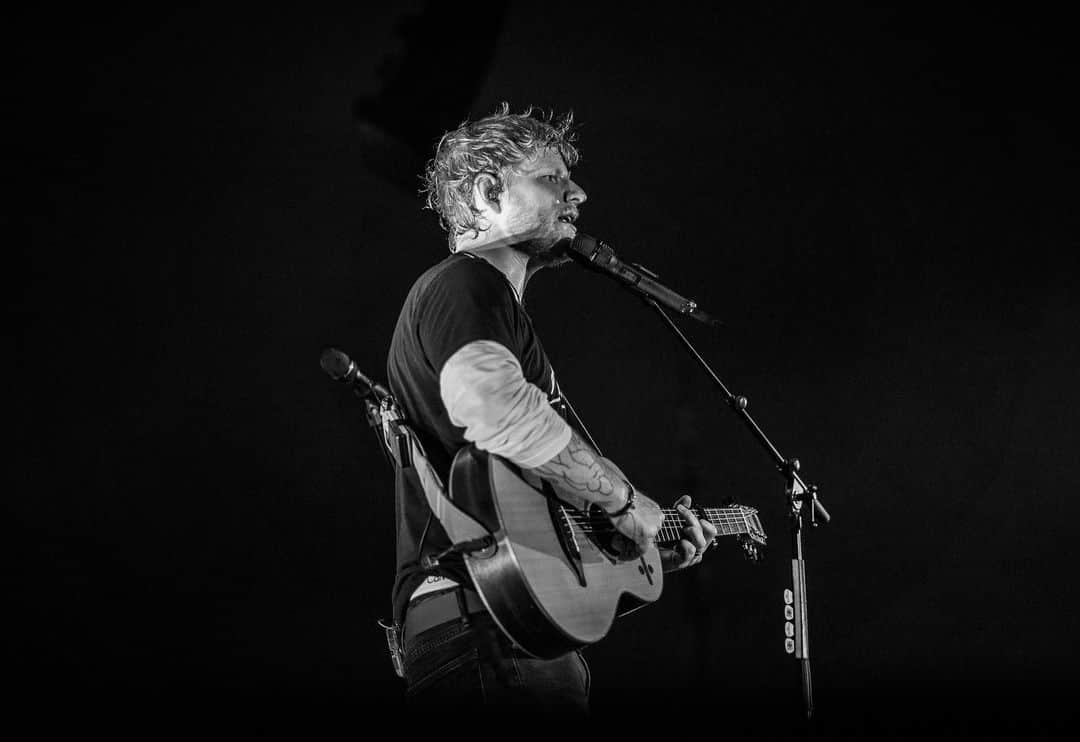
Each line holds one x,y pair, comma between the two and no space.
597,255
341,368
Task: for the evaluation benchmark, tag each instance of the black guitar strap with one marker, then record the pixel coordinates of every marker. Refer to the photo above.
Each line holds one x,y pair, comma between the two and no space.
407,450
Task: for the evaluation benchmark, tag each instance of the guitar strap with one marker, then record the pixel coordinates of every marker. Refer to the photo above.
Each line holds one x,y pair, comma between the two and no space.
408,452
465,533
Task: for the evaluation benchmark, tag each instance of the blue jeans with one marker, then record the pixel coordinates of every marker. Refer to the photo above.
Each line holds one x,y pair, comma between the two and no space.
451,666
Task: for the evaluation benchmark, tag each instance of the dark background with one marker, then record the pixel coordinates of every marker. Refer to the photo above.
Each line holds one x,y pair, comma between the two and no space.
876,203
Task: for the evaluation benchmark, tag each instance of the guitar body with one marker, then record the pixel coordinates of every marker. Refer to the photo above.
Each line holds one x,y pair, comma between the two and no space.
550,584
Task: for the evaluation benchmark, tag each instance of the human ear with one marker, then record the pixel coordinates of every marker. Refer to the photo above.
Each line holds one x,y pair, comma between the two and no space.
486,192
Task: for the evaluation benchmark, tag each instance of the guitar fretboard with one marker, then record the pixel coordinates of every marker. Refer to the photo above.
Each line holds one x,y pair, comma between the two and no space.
728,522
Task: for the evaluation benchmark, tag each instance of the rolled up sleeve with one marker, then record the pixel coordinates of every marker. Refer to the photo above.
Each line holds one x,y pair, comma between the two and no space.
485,392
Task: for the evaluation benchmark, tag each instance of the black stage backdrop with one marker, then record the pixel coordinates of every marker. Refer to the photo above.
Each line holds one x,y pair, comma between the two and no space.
876,203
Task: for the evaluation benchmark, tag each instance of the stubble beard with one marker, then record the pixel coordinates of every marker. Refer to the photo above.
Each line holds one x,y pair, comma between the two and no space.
548,258
547,252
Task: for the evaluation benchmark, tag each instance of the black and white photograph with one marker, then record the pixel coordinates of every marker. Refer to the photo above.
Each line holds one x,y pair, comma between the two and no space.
523,371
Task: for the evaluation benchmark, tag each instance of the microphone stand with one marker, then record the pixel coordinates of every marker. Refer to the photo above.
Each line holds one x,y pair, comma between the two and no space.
797,495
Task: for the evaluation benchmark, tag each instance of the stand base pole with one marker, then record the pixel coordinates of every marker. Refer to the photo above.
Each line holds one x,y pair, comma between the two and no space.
807,688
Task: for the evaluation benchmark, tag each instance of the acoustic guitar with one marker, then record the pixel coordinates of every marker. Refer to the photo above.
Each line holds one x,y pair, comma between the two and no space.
549,574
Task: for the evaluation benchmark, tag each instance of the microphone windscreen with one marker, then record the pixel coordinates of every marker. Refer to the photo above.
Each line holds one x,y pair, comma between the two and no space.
335,363
584,244
581,248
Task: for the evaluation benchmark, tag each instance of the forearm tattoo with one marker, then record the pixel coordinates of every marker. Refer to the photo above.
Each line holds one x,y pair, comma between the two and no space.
579,469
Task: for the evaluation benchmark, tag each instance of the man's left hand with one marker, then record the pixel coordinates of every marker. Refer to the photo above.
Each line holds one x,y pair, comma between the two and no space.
698,536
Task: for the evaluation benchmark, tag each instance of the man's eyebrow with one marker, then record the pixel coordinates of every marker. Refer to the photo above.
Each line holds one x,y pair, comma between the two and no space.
542,169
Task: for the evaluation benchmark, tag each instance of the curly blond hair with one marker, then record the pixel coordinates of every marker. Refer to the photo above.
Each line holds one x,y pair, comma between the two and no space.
492,145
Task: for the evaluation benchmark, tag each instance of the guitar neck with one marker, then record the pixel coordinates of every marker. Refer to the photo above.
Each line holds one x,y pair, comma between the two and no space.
728,522
735,521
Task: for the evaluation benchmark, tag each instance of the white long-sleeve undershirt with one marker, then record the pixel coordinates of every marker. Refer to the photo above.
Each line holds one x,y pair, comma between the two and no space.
485,392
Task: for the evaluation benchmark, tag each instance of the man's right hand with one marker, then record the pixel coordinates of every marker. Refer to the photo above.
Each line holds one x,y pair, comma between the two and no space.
579,473
637,530
637,527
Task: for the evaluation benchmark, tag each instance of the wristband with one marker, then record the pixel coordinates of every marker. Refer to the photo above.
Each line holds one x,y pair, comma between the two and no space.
629,502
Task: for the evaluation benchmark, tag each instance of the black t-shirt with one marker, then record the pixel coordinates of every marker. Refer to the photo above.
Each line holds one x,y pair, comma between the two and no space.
460,300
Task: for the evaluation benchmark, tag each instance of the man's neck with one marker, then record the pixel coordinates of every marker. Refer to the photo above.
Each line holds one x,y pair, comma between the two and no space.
511,262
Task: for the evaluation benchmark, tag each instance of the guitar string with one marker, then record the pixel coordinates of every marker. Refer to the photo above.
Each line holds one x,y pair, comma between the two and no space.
667,534
710,513
601,525
584,518
727,522
673,514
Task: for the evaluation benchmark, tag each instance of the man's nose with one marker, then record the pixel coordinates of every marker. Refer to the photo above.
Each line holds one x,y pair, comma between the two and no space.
575,194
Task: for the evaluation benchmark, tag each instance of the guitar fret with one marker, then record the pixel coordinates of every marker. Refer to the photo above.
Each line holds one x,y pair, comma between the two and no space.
728,522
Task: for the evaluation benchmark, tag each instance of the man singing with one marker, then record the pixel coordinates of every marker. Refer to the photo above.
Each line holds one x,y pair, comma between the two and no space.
467,367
